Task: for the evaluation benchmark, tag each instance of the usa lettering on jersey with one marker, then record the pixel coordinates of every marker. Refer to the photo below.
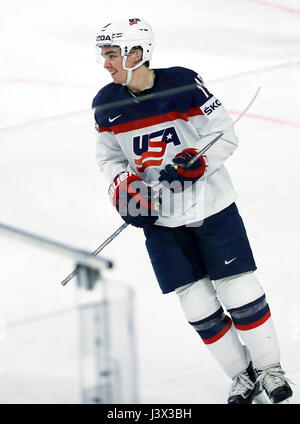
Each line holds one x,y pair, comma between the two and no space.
150,148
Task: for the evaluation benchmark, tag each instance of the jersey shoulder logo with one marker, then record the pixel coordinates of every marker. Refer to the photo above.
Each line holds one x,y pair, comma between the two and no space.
150,148
210,106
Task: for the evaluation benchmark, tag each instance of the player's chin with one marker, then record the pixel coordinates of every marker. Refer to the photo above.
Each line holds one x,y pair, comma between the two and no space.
116,81
118,78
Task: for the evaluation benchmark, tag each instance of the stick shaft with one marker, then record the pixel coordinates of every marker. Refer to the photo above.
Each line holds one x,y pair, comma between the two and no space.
193,160
95,252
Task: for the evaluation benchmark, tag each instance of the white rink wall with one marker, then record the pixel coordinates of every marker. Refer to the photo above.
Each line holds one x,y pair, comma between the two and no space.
49,183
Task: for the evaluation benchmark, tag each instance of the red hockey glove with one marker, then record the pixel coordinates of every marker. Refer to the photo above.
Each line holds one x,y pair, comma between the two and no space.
132,199
179,173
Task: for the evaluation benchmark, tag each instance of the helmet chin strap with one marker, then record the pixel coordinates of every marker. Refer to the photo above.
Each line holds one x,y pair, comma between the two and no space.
129,70
129,77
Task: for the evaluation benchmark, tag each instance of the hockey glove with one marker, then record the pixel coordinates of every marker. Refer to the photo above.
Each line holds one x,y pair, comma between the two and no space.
132,199
178,172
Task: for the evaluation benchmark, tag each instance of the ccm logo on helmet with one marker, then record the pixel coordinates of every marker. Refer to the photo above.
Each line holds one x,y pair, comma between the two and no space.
103,38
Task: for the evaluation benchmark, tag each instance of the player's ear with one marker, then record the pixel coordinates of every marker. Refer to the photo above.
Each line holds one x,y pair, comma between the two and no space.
136,55
139,55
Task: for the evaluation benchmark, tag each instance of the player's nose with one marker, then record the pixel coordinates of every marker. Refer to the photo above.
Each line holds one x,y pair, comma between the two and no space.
107,63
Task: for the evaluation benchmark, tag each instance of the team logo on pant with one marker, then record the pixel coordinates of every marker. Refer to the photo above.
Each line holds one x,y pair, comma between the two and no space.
150,148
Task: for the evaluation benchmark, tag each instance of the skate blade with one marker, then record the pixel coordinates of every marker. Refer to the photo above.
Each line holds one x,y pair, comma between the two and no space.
261,398
284,402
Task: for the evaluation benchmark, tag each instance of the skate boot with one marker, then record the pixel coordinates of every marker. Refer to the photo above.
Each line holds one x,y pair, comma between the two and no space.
245,386
275,384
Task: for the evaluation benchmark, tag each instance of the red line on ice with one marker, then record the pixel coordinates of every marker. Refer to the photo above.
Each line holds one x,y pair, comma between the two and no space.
44,82
277,6
266,118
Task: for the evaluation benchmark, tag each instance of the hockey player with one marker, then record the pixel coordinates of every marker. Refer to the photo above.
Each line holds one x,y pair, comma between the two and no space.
150,123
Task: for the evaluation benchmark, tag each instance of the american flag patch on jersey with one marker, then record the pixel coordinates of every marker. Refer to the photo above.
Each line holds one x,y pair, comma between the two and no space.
134,21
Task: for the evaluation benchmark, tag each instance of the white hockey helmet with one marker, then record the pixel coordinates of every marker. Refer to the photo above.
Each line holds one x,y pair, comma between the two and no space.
126,34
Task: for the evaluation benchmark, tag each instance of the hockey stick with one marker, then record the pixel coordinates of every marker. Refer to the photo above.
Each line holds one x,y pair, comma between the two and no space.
95,252
120,229
193,160
187,166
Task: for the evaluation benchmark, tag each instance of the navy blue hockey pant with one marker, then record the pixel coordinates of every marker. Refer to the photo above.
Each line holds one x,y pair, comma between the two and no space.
218,248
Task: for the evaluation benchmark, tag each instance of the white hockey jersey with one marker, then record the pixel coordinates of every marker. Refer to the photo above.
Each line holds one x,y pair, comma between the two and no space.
143,133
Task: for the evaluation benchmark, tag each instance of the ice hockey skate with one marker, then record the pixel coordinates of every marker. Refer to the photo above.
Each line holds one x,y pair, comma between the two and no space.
275,384
245,387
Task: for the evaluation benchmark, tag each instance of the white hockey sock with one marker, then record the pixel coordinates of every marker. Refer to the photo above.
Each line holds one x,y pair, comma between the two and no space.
244,298
205,313
229,353
263,344
255,327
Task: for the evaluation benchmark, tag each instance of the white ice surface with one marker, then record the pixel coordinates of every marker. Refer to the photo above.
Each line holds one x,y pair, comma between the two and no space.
49,184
